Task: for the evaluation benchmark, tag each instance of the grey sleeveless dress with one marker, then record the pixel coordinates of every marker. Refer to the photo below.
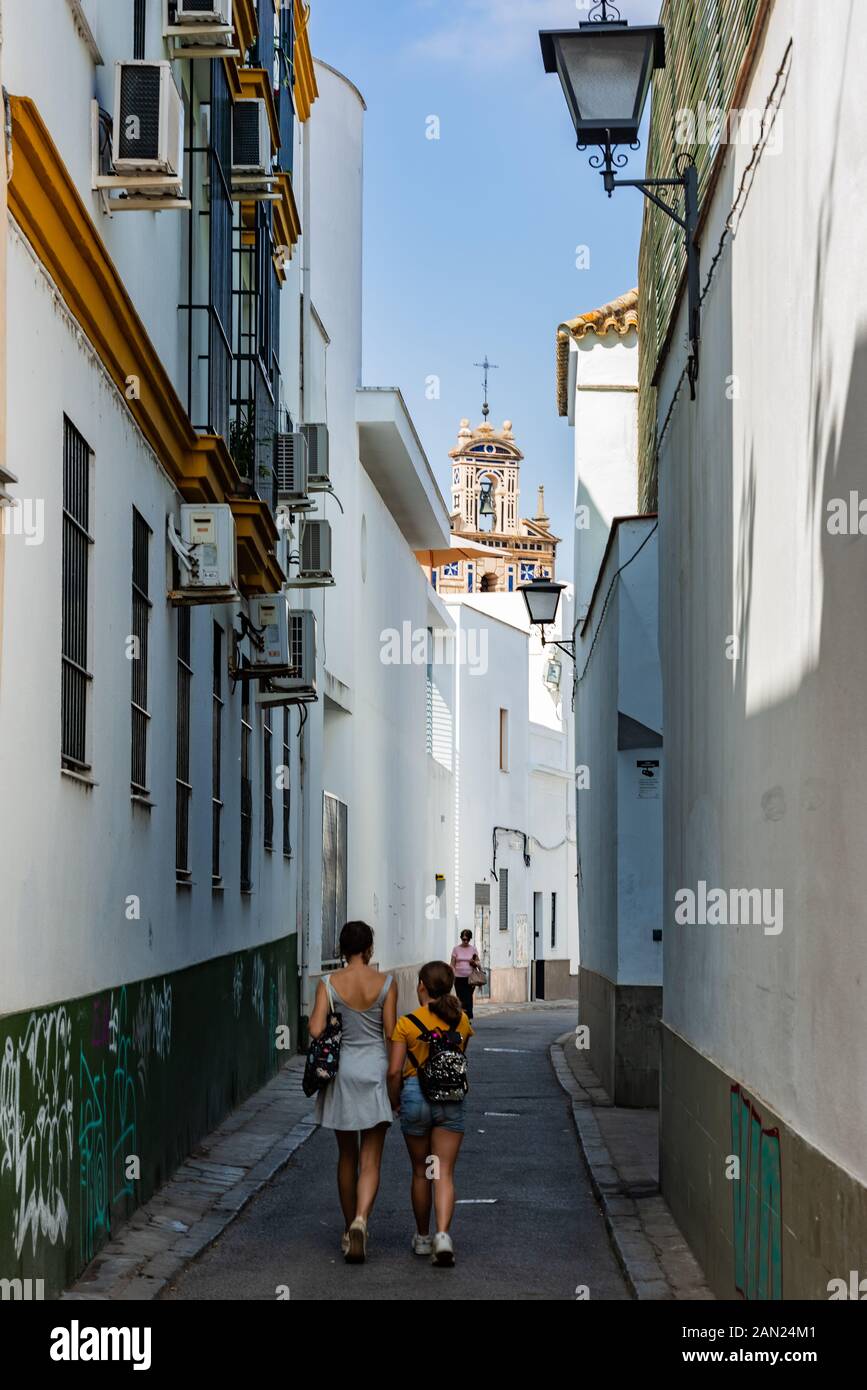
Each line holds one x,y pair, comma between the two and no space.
357,1098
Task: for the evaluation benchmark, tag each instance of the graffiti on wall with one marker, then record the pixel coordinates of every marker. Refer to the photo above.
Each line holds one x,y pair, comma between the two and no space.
757,1199
257,987
36,1139
238,985
115,1118
108,1132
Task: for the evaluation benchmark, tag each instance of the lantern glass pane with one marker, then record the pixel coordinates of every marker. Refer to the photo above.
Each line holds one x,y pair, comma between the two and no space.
606,74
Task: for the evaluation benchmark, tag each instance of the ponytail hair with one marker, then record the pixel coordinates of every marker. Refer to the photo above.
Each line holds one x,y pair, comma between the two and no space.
438,979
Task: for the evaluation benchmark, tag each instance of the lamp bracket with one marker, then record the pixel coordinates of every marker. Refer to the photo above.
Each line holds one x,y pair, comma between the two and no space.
567,647
687,179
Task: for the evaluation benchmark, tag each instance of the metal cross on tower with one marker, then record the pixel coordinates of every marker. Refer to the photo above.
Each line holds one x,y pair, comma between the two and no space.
486,366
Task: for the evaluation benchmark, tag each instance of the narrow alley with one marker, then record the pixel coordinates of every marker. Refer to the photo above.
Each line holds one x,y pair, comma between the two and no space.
527,1227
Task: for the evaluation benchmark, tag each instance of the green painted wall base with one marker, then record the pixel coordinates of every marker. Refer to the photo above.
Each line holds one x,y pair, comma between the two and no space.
782,1222
102,1098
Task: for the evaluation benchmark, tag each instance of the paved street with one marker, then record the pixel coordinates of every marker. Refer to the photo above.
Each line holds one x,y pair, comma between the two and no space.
529,1228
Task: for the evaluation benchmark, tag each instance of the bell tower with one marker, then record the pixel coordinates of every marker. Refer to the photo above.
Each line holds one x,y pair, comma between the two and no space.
485,484
485,479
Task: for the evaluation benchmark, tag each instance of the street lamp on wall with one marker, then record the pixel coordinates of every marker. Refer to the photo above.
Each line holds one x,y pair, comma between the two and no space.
542,598
606,68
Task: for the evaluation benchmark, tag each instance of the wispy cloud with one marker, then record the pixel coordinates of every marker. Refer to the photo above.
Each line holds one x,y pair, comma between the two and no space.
497,33
487,33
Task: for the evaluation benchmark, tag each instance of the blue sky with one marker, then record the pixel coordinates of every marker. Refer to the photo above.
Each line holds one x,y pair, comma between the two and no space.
470,240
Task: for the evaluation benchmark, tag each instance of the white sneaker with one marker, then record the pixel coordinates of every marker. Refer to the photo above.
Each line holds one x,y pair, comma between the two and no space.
422,1245
443,1250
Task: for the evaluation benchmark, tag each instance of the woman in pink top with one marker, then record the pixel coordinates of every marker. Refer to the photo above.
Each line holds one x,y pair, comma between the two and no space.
464,959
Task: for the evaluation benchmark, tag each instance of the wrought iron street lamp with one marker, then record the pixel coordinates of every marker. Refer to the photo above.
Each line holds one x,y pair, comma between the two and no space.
542,598
606,69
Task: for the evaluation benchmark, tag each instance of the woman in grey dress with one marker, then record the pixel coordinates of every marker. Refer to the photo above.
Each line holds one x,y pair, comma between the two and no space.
356,1104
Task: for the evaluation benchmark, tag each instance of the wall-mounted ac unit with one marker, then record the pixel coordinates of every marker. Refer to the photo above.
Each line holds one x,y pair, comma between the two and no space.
148,134
208,535
315,550
204,12
251,137
290,466
318,471
269,616
300,686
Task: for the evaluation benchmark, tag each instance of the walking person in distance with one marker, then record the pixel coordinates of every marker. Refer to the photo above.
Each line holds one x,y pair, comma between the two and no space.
355,1103
465,959
427,1084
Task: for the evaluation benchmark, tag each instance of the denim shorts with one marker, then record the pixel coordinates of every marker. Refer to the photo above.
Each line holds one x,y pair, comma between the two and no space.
418,1116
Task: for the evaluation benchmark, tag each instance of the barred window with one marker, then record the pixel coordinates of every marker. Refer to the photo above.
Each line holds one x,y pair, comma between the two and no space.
504,900
335,819
139,28
287,791
217,758
141,617
268,778
184,790
76,679
246,789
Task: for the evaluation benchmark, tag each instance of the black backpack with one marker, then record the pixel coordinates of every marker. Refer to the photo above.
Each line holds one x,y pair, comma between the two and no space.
443,1076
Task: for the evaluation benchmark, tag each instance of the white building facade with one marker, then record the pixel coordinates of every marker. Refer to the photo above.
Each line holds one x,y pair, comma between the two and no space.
763,565
185,854
514,831
618,707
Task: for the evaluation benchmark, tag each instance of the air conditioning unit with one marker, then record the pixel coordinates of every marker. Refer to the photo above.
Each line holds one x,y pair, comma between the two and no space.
148,134
299,687
208,535
290,466
318,473
315,550
251,137
217,12
269,615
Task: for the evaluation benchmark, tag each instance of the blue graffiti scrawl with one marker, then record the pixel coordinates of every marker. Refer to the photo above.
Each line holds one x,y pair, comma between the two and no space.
93,1153
757,1201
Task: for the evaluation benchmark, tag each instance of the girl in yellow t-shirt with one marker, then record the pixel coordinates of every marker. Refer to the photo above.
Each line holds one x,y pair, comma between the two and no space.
431,1129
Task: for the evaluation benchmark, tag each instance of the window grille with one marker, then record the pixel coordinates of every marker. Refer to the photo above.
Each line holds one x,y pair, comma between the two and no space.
141,616
76,678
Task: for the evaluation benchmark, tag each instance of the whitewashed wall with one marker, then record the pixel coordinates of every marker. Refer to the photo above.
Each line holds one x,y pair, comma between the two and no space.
603,407
535,796
368,737
79,854
765,754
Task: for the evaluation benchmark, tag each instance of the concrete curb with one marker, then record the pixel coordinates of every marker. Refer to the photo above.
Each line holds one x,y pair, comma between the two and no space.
203,1197
656,1261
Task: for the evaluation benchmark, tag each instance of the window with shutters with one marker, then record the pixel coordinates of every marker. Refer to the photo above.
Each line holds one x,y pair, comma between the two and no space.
334,875
286,786
184,790
268,779
76,679
504,899
141,616
217,703
256,349
504,740
208,310
246,788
